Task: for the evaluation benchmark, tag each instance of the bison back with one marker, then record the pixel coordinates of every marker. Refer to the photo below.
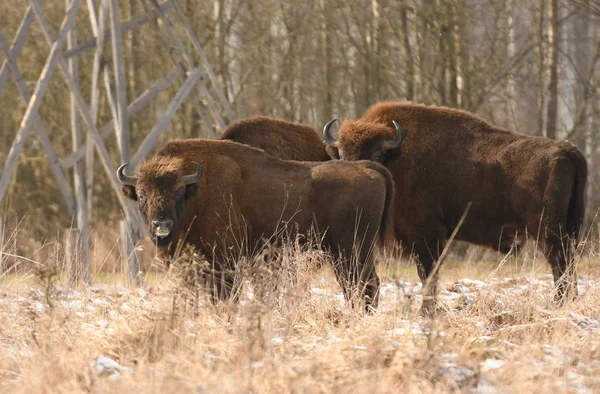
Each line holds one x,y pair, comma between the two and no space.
278,138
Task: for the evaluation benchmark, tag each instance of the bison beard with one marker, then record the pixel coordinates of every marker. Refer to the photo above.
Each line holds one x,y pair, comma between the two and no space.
243,196
516,185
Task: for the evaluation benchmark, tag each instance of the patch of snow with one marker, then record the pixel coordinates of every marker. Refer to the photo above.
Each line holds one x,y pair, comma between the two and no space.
585,323
250,293
210,356
109,368
491,363
277,341
472,283
465,300
21,351
75,304
387,287
458,372
392,345
334,339
459,288
37,306
318,290
36,294
142,293
449,295
577,382
100,302
409,327
103,323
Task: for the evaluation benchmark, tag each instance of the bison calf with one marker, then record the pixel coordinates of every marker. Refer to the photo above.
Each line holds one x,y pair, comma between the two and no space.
285,140
224,197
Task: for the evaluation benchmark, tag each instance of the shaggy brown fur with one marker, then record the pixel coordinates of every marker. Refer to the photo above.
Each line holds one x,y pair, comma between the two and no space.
245,195
278,138
451,158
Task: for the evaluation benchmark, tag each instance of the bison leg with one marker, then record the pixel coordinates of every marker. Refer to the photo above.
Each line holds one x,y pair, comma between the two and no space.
222,286
427,254
370,286
561,258
344,278
359,283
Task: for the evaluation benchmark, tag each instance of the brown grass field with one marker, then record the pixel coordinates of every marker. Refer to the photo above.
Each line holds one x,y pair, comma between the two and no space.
500,332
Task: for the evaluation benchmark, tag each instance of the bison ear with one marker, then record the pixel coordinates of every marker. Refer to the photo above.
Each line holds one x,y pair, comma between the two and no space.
129,192
190,190
333,152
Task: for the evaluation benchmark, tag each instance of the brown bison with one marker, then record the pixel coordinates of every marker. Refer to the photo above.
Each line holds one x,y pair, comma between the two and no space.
285,140
224,198
516,184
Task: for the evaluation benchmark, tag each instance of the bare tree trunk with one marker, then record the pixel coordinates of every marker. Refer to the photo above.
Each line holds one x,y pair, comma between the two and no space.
221,39
442,57
554,38
378,39
327,57
464,76
510,49
593,188
582,51
81,270
452,45
409,72
540,67
593,196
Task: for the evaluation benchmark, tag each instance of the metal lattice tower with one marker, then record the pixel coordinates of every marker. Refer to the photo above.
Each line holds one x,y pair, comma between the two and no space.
197,81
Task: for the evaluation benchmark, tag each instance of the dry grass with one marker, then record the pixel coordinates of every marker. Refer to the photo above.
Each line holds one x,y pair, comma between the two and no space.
502,333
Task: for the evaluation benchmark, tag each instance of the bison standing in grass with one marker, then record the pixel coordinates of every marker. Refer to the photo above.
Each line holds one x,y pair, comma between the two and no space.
285,140
517,185
225,198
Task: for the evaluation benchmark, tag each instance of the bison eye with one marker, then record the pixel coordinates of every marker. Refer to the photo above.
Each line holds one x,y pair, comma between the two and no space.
377,156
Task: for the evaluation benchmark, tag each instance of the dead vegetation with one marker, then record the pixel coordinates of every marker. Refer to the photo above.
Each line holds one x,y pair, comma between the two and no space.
291,331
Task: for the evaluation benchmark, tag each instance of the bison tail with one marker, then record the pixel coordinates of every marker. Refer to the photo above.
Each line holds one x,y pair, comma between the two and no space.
576,211
386,227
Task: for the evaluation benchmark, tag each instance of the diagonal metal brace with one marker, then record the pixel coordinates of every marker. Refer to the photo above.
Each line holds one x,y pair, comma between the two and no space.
38,94
38,125
110,169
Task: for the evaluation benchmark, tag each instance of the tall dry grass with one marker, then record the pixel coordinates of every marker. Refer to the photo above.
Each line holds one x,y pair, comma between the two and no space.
291,331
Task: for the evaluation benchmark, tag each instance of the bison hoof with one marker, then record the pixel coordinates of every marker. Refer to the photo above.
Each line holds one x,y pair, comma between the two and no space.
563,296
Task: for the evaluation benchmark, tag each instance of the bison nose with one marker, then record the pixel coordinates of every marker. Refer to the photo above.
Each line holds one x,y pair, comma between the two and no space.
162,227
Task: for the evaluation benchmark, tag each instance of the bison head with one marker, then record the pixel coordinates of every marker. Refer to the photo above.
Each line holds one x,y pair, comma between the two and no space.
364,140
161,188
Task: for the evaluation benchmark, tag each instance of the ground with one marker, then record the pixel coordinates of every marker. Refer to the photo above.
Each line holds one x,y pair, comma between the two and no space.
500,332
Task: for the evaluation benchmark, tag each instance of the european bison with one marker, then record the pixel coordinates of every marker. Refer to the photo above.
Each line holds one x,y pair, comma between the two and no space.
224,197
278,138
517,184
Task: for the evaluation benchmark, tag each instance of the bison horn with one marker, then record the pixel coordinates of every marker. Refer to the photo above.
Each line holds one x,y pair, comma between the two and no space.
124,179
400,136
328,138
189,179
